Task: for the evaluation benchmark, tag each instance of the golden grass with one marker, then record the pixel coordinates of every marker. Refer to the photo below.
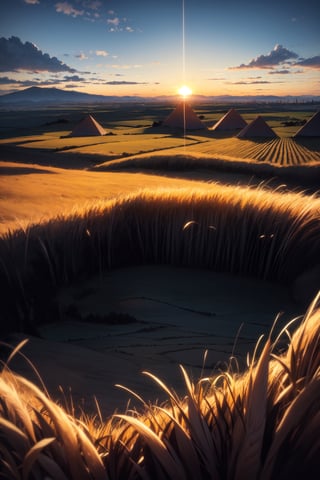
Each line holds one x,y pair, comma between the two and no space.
306,174
280,159
33,194
124,145
241,230
262,424
121,142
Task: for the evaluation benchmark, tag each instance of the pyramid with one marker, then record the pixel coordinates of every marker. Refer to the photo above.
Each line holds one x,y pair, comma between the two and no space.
311,128
184,117
87,127
232,120
257,128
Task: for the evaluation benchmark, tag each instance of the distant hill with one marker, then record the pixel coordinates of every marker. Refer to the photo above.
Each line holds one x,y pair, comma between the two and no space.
40,96
47,96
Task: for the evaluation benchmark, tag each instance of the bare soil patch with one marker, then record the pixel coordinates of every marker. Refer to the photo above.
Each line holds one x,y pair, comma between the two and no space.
180,313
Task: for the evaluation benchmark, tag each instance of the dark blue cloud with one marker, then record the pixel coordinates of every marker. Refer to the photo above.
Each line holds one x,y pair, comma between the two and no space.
284,71
16,56
73,78
312,62
117,82
277,56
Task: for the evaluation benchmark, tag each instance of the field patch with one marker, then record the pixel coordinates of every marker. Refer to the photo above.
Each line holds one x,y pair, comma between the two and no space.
279,151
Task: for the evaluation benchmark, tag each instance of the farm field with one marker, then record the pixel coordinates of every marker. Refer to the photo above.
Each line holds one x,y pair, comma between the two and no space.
280,151
134,137
284,151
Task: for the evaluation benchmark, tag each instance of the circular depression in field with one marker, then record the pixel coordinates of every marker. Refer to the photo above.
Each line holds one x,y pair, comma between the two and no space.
153,318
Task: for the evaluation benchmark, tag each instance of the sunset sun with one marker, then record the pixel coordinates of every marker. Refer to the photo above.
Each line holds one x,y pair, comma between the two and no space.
185,91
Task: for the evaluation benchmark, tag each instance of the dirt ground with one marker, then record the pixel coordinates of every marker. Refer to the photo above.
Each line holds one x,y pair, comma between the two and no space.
176,315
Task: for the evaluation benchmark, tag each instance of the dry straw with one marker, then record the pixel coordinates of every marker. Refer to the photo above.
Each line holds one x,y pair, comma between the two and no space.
262,424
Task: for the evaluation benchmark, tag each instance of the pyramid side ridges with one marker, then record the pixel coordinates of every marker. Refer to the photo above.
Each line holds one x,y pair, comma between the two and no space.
311,128
232,120
184,117
88,126
257,128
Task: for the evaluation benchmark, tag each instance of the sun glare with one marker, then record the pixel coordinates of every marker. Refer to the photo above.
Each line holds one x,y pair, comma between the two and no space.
185,91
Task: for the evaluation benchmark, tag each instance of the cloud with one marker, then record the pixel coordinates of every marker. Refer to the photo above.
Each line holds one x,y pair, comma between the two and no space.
66,80
277,56
253,82
93,5
8,81
28,83
280,72
16,56
102,53
113,21
117,82
68,9
32,2
312,62
118,24
73,78
81,56
125,66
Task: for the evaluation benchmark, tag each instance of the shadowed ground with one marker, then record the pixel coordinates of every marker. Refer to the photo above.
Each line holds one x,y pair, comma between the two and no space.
179,314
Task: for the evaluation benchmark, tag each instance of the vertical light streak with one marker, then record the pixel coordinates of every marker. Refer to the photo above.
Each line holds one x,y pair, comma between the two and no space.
184,72
183,46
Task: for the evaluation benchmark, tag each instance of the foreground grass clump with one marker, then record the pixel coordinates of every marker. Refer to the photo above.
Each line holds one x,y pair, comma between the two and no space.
241,230
262,424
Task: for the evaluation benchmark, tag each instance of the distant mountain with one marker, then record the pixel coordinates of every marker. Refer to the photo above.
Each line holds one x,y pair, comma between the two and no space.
40,96
47,96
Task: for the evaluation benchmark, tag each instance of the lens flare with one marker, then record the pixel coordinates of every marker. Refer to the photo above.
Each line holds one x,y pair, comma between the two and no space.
185,91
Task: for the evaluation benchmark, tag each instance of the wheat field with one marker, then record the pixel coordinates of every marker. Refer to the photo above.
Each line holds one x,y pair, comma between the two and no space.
280,151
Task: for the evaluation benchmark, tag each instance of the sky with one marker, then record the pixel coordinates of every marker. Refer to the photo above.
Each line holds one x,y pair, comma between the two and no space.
152,47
